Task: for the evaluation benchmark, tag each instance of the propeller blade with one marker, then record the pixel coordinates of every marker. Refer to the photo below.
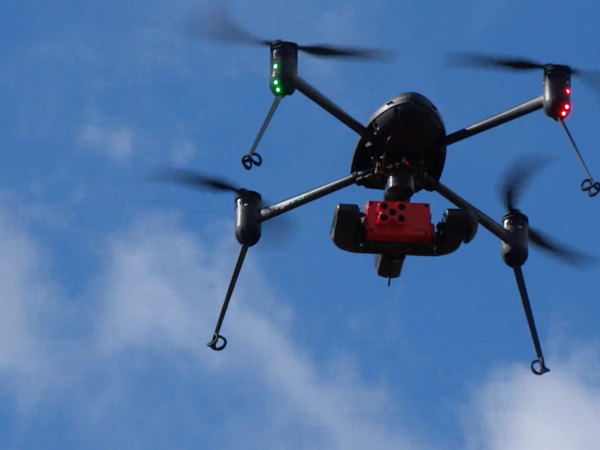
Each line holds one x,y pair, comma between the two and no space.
464,59
217,24
517,176
346,52
567,255
589,77
194,179
280,228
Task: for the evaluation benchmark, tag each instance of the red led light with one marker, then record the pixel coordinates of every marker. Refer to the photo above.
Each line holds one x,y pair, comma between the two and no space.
566,108
568,90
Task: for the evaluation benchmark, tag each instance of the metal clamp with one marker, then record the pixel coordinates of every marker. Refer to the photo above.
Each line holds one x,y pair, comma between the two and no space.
542,366
592,188
213,344
251,159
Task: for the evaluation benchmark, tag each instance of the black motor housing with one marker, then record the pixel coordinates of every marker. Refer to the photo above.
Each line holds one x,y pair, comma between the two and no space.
248,227
557,91
515,253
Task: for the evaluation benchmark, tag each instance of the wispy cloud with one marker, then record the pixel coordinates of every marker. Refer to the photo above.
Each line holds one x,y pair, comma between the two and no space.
161,298
115,142
158,298
140,367
26,301
183,151
516,410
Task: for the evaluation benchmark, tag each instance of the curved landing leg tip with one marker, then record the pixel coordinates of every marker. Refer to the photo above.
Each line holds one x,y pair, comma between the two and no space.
251,159
590,186
215,340
538,367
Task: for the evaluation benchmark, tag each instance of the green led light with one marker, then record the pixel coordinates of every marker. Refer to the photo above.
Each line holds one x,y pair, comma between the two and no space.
275,66
278,90
275,81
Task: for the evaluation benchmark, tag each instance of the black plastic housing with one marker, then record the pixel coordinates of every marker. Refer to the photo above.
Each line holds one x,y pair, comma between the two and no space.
516,252
248,228
389,266
348,233
412,130
284,67
557,91
457,226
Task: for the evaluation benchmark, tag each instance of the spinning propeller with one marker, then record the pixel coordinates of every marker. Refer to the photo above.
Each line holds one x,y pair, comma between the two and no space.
515,235
518,175
248,225
250,214
195,180
556,96
479,60
217,24
514,249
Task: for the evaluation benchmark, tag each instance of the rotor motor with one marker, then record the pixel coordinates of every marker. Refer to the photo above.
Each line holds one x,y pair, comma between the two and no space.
557,91
248,227
515,252
284,68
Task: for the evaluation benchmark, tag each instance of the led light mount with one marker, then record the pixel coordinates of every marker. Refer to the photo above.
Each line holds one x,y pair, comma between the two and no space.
557,104
284,67
557,91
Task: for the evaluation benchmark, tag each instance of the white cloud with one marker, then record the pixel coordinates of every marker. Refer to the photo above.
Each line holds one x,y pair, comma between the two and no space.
182,152
519,411
26,303
164,293
115,142
154,306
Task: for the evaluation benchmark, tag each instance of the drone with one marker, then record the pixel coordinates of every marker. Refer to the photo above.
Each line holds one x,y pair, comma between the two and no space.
401,151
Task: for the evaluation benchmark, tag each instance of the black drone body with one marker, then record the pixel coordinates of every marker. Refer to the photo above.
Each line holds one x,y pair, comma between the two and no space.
410,130
401,150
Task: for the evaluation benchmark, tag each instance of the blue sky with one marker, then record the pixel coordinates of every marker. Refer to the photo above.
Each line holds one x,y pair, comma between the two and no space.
110,285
